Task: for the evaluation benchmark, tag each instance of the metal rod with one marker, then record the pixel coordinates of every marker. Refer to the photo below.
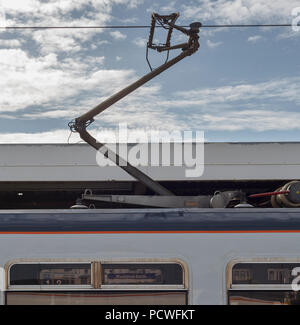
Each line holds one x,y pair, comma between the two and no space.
167,48
268,194
131,170
86,119
124,92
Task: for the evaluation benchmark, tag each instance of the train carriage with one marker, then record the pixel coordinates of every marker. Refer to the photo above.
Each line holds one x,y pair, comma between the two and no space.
150,256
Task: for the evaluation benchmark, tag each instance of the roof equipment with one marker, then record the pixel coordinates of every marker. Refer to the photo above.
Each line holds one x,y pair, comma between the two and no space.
286,196
81,123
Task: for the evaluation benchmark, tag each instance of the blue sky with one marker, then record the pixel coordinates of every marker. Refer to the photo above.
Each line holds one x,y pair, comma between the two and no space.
242,84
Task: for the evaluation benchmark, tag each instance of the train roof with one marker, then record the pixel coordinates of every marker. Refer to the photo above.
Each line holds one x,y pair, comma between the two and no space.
149,220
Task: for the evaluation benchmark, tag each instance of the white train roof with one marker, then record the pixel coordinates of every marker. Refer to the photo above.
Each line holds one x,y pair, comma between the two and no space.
77,162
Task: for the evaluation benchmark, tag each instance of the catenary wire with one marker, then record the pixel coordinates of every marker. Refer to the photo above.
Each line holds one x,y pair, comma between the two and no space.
142,26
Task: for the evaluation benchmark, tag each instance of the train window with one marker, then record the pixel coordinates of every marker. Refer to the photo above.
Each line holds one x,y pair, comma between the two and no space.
263,283
50,274
150,274
97,283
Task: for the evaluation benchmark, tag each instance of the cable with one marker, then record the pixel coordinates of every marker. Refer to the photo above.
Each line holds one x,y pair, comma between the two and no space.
142,26
69,137
247,26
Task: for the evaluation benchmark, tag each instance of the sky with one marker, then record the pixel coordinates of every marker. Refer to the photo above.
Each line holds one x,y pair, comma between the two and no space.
241,85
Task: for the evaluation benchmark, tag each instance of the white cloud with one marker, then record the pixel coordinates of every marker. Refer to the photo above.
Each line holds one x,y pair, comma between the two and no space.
212,44
226,108
134,3
61,13
56,136
129,20
36,9
140,42
10,43
289,34
254,39
259,107
240,11
255,120
164,9
67,88
118,35
46,82
61,40
285,89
